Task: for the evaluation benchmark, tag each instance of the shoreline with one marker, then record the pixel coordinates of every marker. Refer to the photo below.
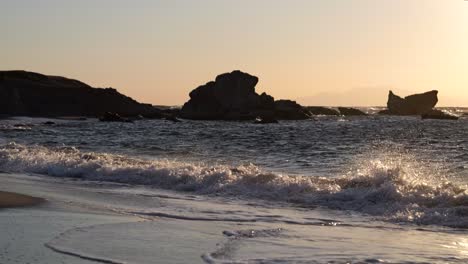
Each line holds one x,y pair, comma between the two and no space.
83,224
12,200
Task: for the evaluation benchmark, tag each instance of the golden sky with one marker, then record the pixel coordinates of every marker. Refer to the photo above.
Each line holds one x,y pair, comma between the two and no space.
321,52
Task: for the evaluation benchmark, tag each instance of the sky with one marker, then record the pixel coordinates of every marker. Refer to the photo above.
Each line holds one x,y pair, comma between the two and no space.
318,52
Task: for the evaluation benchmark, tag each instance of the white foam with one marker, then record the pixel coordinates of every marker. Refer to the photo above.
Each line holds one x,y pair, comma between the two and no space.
391,187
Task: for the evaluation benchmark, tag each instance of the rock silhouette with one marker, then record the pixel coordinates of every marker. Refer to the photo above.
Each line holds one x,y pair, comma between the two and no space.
265,121
113,117
319,110
287,109
34,94
347,111
438,114
417,104
232,96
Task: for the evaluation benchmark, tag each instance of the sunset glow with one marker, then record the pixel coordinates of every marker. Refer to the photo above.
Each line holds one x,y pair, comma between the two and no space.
351,52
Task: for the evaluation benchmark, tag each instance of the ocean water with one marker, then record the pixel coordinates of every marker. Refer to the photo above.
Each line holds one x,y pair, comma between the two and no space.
374,189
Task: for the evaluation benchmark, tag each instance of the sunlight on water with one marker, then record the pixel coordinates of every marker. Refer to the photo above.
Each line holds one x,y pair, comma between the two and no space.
331,190
461,245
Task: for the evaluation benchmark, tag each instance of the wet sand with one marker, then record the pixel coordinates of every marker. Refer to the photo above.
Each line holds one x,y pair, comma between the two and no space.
86,223
9,200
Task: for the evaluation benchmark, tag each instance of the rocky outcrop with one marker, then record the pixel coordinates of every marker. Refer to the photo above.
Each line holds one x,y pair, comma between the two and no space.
439,114
232,96
417,104
384,112
34,94
319,110
290,110
346,111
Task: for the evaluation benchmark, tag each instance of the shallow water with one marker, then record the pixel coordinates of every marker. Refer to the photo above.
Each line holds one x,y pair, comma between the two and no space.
186,228
330,190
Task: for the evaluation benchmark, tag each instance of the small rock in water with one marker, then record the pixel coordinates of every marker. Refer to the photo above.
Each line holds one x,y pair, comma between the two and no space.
113,117
171,118
319,110
384,112
438,114
265,120
346,111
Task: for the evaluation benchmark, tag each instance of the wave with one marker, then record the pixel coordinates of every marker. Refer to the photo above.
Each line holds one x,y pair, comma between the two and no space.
392,187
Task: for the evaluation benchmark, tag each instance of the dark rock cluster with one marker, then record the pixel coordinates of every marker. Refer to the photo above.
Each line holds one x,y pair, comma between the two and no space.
232,96
417,104
320,110
346,111
33,94
438,114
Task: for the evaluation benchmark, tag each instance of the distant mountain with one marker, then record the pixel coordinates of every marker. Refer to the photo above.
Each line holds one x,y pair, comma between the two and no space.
374,96
33,94
361,96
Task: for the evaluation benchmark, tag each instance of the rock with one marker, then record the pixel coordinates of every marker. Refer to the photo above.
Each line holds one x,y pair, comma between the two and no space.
417,104
319,110
438,114
72,118
171,118
33,94
290,110
260,120
113,117
346,111
265,102
232,96
156,114
164,111
384,112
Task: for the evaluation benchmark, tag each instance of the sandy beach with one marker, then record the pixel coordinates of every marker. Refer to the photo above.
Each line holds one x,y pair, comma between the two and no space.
82,224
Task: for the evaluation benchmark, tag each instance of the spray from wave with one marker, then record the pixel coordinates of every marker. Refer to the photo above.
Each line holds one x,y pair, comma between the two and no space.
393,187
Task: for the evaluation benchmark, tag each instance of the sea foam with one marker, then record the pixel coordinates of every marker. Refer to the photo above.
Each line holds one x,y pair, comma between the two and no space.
388,187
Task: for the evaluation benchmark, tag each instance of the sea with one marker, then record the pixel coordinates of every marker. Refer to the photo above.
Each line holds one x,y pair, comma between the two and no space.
332,189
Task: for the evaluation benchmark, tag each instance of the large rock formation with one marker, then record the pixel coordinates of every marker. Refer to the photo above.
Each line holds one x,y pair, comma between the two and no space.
34,94
417,104
232,96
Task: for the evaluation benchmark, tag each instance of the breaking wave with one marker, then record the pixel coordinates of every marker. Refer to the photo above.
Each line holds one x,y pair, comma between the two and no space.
391,187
